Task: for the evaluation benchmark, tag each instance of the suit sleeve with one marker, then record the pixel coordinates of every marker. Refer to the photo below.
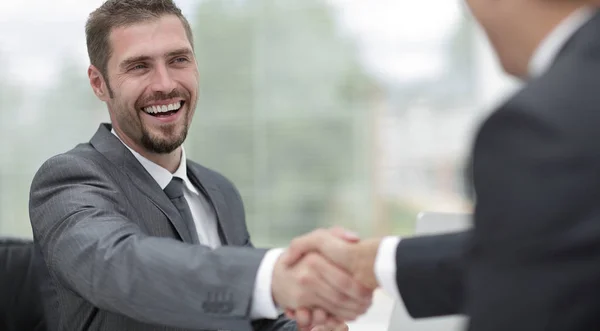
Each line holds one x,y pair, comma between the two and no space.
535,260
93,249
430,274
262,290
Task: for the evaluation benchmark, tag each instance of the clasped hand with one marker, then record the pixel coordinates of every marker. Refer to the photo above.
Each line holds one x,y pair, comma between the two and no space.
325,278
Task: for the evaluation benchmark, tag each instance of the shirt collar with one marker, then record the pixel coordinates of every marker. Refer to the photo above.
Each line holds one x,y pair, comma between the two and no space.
546,52
161,175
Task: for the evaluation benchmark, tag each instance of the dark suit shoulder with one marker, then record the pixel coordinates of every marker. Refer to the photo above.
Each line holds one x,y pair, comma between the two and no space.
560,109
563,100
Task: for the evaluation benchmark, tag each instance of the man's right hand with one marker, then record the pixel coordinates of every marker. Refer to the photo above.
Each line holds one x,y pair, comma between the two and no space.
345,250
315,282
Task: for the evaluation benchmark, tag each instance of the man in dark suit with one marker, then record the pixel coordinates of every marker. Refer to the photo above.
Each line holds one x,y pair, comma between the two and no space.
532,261
134,235
21,306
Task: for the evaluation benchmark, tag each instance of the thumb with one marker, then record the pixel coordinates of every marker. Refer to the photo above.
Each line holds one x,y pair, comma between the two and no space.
302,245
344,234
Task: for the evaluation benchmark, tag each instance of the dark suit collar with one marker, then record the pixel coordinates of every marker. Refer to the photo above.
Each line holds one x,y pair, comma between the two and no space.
549,48
115,151
586,37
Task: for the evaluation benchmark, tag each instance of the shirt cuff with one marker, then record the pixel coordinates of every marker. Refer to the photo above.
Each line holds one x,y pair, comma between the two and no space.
385,266
263,305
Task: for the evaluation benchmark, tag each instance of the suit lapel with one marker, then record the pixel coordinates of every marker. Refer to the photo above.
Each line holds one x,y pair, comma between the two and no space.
114,150
205,181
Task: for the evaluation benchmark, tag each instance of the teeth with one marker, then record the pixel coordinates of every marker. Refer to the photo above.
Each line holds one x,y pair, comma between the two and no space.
162,109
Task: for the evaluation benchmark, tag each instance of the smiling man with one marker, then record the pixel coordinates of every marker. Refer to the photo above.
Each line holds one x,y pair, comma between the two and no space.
134,235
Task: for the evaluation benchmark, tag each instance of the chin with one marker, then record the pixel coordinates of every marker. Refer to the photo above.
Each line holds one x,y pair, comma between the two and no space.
512,68
162,142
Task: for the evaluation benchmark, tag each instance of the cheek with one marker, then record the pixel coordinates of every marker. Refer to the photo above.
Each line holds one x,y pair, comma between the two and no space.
131,94
190,81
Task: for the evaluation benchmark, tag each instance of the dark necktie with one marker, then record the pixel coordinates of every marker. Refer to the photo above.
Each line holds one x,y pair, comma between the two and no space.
175,192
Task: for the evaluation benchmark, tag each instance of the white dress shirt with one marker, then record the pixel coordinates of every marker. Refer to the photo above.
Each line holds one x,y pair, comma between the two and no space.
540,62
549,48
205,221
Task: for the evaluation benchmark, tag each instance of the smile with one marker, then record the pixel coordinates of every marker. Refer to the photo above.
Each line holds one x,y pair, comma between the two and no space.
163,110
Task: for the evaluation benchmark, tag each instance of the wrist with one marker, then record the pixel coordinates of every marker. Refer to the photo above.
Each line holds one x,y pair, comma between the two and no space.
364,269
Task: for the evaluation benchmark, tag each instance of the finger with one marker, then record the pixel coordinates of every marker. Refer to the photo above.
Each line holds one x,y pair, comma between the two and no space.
302,245
303,318
317,293
344,234
336,302
345,309
319,316
290,313
344,283
335,327
323,242
332,323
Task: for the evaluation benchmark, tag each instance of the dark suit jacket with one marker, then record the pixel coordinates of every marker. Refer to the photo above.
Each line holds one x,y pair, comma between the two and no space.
118,255
532,261
21,306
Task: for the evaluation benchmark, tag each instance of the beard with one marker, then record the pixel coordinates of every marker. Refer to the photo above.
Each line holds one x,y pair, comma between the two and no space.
165,146
169,138
174,135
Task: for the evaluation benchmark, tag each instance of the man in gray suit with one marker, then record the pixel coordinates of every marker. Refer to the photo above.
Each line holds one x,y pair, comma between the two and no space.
136,237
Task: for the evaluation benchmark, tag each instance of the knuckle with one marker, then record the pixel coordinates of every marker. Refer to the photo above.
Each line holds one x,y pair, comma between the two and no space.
340,298
345,282
312,260
320,233
305,278
295,244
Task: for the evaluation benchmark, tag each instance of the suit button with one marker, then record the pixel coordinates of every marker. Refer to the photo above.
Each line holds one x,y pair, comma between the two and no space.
208,307
227,307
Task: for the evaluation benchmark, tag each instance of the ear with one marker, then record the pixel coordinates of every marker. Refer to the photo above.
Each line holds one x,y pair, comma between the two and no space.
98,83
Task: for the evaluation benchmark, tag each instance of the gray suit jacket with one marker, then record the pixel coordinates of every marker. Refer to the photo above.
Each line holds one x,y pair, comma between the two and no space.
118,256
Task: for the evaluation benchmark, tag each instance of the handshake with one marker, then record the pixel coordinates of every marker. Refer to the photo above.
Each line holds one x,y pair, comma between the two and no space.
325,278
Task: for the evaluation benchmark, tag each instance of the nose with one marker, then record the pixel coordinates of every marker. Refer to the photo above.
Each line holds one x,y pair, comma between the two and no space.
162,80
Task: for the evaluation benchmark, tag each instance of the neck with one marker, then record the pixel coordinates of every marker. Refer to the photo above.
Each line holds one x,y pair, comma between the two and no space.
169,161
545,19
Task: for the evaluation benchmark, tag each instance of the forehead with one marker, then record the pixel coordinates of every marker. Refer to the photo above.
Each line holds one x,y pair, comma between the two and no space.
151,38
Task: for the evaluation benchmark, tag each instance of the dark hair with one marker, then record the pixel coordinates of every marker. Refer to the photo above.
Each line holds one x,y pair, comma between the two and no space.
118,13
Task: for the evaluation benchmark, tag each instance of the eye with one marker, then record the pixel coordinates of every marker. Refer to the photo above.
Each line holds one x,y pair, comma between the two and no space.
181,60
138,67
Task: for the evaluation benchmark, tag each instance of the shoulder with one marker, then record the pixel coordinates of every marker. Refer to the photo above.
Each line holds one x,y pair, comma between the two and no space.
566,97
559,108
82,156
77,165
